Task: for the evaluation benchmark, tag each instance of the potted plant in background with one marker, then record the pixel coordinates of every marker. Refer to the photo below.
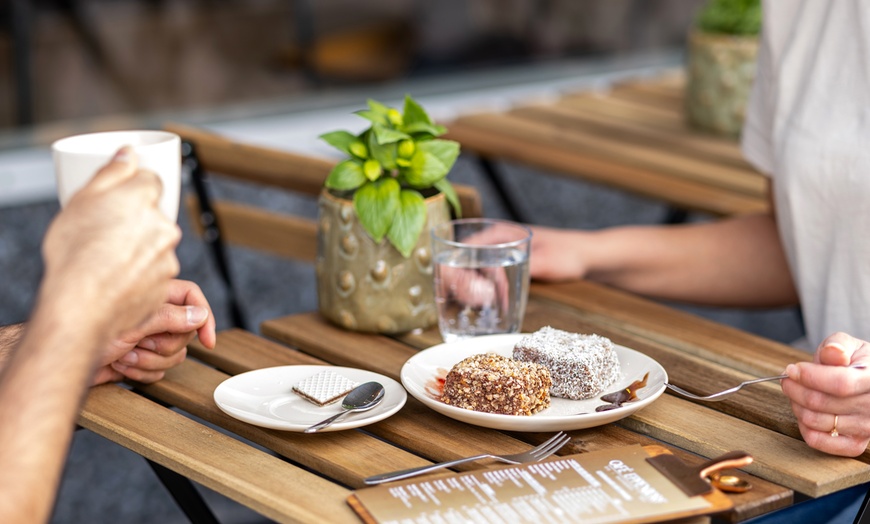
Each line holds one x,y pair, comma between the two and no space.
722,53
374,263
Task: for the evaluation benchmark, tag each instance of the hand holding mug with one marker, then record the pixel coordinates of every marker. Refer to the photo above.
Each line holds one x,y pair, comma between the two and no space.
112,223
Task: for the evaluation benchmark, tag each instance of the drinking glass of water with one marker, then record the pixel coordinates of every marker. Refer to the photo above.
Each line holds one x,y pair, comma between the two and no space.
481,276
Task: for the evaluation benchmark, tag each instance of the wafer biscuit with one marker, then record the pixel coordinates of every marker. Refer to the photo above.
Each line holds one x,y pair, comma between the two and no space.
324,388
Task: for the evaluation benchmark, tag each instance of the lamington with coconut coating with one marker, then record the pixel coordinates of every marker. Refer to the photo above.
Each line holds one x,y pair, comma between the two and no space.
581,366
491,383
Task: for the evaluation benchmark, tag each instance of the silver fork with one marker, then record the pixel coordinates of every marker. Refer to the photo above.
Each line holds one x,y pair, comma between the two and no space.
540,452
722,395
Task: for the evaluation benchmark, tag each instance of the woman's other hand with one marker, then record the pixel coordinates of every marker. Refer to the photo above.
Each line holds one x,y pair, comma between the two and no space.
831,400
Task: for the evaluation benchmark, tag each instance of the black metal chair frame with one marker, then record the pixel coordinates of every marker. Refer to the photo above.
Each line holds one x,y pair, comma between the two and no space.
211,230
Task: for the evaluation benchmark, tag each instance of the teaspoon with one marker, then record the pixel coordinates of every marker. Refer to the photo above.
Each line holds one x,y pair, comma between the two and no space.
362,398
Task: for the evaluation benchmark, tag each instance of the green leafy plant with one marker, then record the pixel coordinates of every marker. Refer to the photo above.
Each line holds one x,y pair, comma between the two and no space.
390,166
733,17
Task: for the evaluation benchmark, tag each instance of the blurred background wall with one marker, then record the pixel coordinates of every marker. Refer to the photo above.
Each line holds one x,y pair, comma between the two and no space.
74,59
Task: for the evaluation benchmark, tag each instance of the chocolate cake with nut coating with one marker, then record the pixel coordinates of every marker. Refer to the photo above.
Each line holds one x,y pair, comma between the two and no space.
492,383
581,366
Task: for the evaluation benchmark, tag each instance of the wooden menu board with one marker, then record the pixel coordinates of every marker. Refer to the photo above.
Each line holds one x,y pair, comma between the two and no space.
613,485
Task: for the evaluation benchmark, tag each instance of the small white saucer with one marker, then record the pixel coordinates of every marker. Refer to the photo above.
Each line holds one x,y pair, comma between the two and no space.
265,397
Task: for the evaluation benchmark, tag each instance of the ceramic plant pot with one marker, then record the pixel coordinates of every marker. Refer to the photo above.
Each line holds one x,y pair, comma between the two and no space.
721,69
364,286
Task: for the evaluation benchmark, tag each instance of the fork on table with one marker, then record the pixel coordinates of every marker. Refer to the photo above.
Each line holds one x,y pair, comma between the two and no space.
540,452
722,395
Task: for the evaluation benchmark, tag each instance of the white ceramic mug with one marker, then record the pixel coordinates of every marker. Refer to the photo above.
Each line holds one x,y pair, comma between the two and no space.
78,158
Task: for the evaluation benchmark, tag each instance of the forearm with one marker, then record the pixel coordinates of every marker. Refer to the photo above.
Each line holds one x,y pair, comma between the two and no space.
41,389
9,338
733,262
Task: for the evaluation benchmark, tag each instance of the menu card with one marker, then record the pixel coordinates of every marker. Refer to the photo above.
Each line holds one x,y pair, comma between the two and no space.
613,485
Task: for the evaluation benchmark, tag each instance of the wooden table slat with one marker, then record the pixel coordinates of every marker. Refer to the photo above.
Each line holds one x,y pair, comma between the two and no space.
671,86
682,192
620,130
345,458
646,158
666,100
664,118
778,458
341,347
636,119
684,331
256,479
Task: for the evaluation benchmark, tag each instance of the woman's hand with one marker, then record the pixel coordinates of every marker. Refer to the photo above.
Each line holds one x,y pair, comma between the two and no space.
557,254
830,400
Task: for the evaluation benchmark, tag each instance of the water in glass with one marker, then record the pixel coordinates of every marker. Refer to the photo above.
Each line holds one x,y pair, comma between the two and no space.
480,293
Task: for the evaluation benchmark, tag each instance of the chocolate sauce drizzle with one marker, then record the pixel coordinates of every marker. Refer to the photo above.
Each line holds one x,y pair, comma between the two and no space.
617,398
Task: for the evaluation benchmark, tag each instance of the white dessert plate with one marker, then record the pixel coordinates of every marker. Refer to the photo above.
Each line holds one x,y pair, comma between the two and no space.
265,397
421,374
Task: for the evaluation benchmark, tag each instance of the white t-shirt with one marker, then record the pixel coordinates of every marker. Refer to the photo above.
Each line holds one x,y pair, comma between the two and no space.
808,127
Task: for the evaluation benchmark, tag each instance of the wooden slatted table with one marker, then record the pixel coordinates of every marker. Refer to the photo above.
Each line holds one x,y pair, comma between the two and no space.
319,471
632,136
